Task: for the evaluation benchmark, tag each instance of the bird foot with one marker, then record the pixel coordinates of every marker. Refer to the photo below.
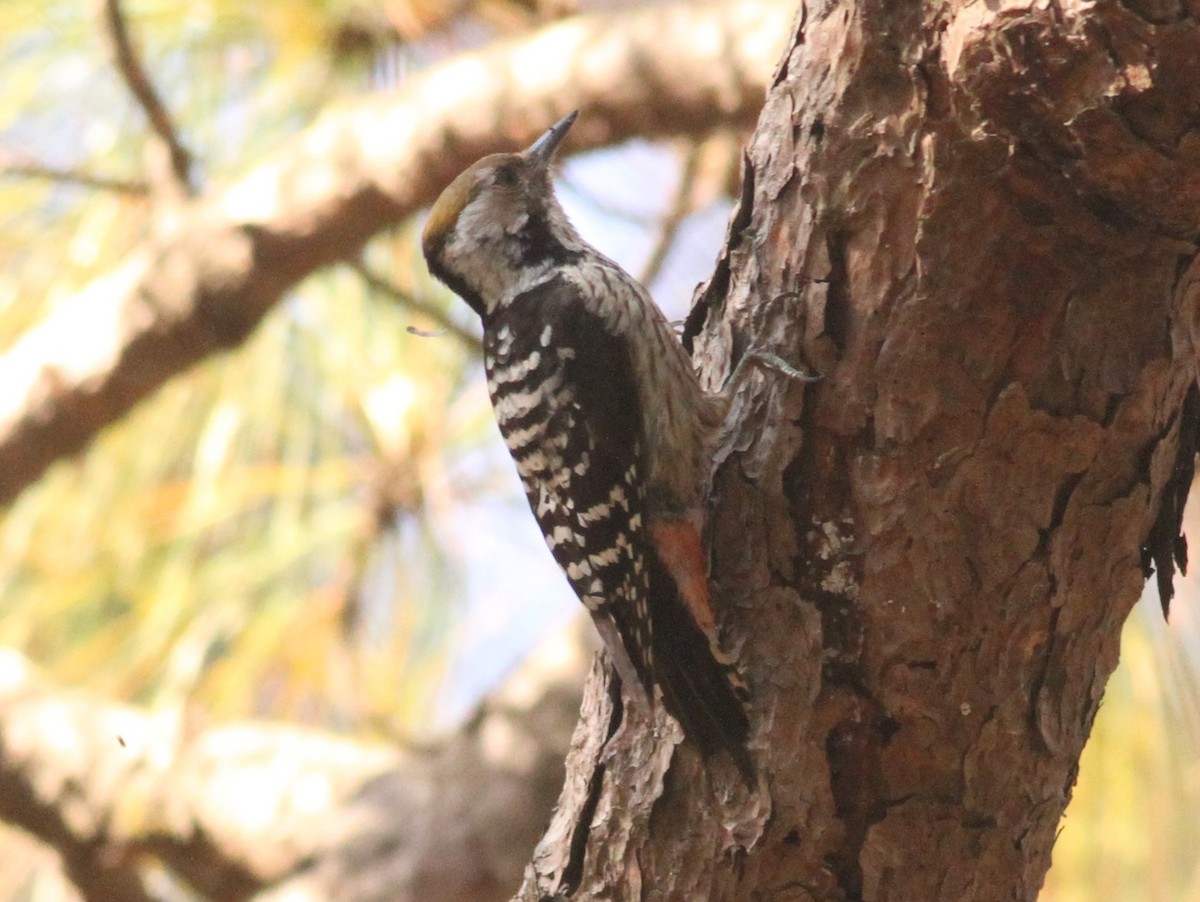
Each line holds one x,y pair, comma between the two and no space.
770,361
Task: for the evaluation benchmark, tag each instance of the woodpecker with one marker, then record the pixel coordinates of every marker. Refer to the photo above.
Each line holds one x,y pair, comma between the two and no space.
611,433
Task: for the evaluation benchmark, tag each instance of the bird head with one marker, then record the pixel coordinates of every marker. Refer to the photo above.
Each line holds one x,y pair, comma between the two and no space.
497,219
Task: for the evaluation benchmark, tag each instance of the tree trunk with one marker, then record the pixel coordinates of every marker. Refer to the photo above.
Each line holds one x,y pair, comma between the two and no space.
977,222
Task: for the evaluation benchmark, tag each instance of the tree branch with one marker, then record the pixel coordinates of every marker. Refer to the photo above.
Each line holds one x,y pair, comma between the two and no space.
138,81
205,279
14,165
105,784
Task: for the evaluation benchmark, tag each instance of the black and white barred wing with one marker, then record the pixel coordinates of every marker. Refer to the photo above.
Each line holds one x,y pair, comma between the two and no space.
569,410
564,396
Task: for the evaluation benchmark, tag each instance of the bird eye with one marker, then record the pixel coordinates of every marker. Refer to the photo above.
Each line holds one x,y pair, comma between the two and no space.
506,176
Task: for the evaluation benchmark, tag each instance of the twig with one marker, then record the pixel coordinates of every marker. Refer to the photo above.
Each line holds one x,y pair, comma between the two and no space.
142,89
681,205
385,286
14,165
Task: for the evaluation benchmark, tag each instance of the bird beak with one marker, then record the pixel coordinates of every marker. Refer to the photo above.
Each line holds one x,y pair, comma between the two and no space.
541,151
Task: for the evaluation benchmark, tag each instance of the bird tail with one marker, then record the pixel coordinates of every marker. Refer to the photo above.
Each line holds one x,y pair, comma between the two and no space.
698,690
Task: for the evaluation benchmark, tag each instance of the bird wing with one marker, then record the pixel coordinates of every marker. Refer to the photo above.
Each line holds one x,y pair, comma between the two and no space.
566,395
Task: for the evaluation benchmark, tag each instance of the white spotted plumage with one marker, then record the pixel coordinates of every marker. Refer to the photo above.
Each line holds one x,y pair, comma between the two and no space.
607,424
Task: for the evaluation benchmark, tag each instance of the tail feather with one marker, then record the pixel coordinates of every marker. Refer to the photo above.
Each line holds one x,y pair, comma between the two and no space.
697,689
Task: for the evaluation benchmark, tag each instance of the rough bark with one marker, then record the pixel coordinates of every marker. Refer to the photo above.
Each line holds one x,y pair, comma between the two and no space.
278,812
212,267
978,222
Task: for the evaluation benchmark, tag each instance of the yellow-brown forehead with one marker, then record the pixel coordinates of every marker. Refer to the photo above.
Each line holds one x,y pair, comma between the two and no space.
446,209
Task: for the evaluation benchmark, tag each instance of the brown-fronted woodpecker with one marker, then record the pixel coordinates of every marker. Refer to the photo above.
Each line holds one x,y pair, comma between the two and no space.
610,429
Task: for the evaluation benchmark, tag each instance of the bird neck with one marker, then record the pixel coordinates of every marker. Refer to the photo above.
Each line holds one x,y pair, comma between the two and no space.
493,266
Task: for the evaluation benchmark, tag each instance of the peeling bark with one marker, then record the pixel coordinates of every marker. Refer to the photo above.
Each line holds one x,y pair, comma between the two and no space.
977,221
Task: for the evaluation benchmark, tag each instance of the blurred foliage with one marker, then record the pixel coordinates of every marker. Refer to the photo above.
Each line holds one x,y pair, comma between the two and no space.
268,534
280,531
1130,830
226,540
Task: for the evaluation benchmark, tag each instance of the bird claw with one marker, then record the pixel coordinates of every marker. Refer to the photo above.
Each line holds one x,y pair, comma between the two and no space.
766,360
770,361
721,656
